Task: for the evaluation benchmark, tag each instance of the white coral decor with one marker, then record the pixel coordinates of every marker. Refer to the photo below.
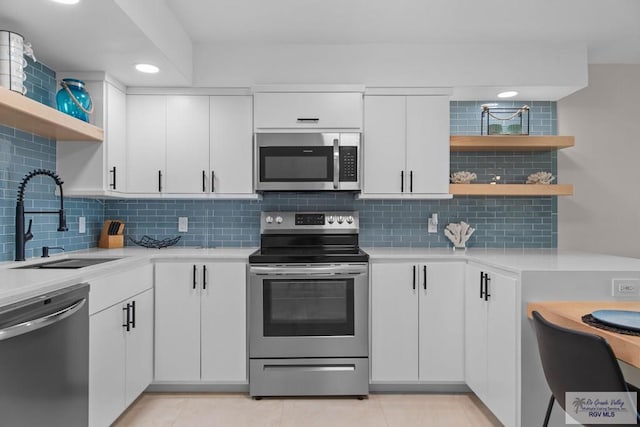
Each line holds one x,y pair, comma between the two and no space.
540,178
458,233
463,177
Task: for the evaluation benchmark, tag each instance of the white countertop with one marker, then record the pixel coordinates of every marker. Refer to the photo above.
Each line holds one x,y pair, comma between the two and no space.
515,260
20,284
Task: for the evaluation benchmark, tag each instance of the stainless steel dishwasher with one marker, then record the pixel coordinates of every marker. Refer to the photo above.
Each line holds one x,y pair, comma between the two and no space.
44,360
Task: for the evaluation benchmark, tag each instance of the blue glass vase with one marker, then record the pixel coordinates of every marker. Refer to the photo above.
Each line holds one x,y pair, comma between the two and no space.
74,100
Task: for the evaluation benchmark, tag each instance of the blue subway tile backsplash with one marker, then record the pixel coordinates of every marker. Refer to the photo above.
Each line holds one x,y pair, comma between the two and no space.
500,222
20,152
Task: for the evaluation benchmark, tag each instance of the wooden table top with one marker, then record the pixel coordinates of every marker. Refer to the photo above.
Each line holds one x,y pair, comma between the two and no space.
569,315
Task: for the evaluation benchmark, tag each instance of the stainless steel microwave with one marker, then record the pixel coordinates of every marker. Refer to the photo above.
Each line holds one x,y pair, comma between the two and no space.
307,161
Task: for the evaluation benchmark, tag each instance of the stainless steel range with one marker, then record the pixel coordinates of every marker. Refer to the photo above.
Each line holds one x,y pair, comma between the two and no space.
308,306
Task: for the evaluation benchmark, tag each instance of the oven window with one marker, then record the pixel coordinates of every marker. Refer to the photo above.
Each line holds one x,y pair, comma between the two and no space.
307,164
308,307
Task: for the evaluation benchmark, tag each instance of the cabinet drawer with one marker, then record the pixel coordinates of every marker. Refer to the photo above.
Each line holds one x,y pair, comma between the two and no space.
106,291
308,110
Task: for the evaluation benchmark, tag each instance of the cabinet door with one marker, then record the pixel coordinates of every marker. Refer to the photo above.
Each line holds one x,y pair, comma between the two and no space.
177,322
106,366
394,322
428,144
384,144
231,145
139,347
321,110
475,334
223,334
146,142
187,144
441,322
502,348
116,130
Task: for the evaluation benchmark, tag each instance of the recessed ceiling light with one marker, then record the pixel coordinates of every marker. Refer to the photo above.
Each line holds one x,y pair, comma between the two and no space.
147,68
507,94
67,1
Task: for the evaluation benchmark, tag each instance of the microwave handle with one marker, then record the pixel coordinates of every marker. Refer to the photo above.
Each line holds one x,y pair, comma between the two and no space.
336,164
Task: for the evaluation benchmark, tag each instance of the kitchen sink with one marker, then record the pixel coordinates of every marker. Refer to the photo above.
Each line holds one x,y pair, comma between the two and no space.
69,263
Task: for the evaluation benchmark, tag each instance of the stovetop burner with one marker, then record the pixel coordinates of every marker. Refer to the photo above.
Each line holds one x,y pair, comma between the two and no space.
307,256
309,237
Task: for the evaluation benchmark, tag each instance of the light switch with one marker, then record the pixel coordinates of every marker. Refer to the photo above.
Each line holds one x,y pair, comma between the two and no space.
82,224
183,224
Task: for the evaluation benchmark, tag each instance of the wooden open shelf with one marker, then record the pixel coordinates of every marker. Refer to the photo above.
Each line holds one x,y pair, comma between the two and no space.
511,189
25,114
510,143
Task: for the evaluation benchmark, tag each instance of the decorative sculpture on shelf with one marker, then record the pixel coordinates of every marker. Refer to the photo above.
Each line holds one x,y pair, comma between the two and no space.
540,178
458,233
463,177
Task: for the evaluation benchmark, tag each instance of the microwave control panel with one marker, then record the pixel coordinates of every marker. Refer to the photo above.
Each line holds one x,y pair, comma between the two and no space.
349,164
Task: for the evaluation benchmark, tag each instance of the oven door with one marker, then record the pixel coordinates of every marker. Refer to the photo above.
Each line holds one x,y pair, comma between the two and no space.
308,310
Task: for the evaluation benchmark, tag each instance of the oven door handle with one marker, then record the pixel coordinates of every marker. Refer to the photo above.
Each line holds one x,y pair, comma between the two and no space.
314,271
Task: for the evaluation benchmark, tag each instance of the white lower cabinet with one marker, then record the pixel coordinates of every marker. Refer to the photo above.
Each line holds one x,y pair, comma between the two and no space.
201,322
417,322
121,357
491,340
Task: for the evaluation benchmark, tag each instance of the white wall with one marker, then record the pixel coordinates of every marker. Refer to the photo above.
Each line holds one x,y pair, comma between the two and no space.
604,213
540,72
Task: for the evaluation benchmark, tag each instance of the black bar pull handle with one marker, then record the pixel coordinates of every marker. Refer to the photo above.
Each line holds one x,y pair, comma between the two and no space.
204,181
213,183
414,277
402,181
487,279
204,277
410,181
308,119
113,172
159,181
195,271
481,285
127,323
133,314
424,272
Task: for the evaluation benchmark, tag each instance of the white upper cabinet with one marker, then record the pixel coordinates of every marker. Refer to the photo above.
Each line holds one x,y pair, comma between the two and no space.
95,169
428,144
146,143
308,110
187,144
190,145
406,146
231,149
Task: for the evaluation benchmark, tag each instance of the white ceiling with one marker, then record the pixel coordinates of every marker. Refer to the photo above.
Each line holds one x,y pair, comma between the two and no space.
610,28
112,35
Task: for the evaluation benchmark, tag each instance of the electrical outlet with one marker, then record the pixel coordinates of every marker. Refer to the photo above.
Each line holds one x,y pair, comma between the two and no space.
82,224
183,224
625,288
432,223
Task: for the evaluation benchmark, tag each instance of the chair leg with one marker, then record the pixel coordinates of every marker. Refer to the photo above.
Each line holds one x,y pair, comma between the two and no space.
548,415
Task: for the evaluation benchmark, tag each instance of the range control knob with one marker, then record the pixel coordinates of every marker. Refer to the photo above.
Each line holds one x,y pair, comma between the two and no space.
340,220
279,220
330,220
269,219
349,219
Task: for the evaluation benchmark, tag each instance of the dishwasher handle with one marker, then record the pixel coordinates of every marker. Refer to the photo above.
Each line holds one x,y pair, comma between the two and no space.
35,324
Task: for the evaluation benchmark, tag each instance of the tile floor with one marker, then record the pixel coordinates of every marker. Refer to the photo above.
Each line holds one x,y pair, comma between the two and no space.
238,410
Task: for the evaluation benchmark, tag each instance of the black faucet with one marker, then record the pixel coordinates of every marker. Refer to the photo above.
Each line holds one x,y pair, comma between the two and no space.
21,237
46,249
